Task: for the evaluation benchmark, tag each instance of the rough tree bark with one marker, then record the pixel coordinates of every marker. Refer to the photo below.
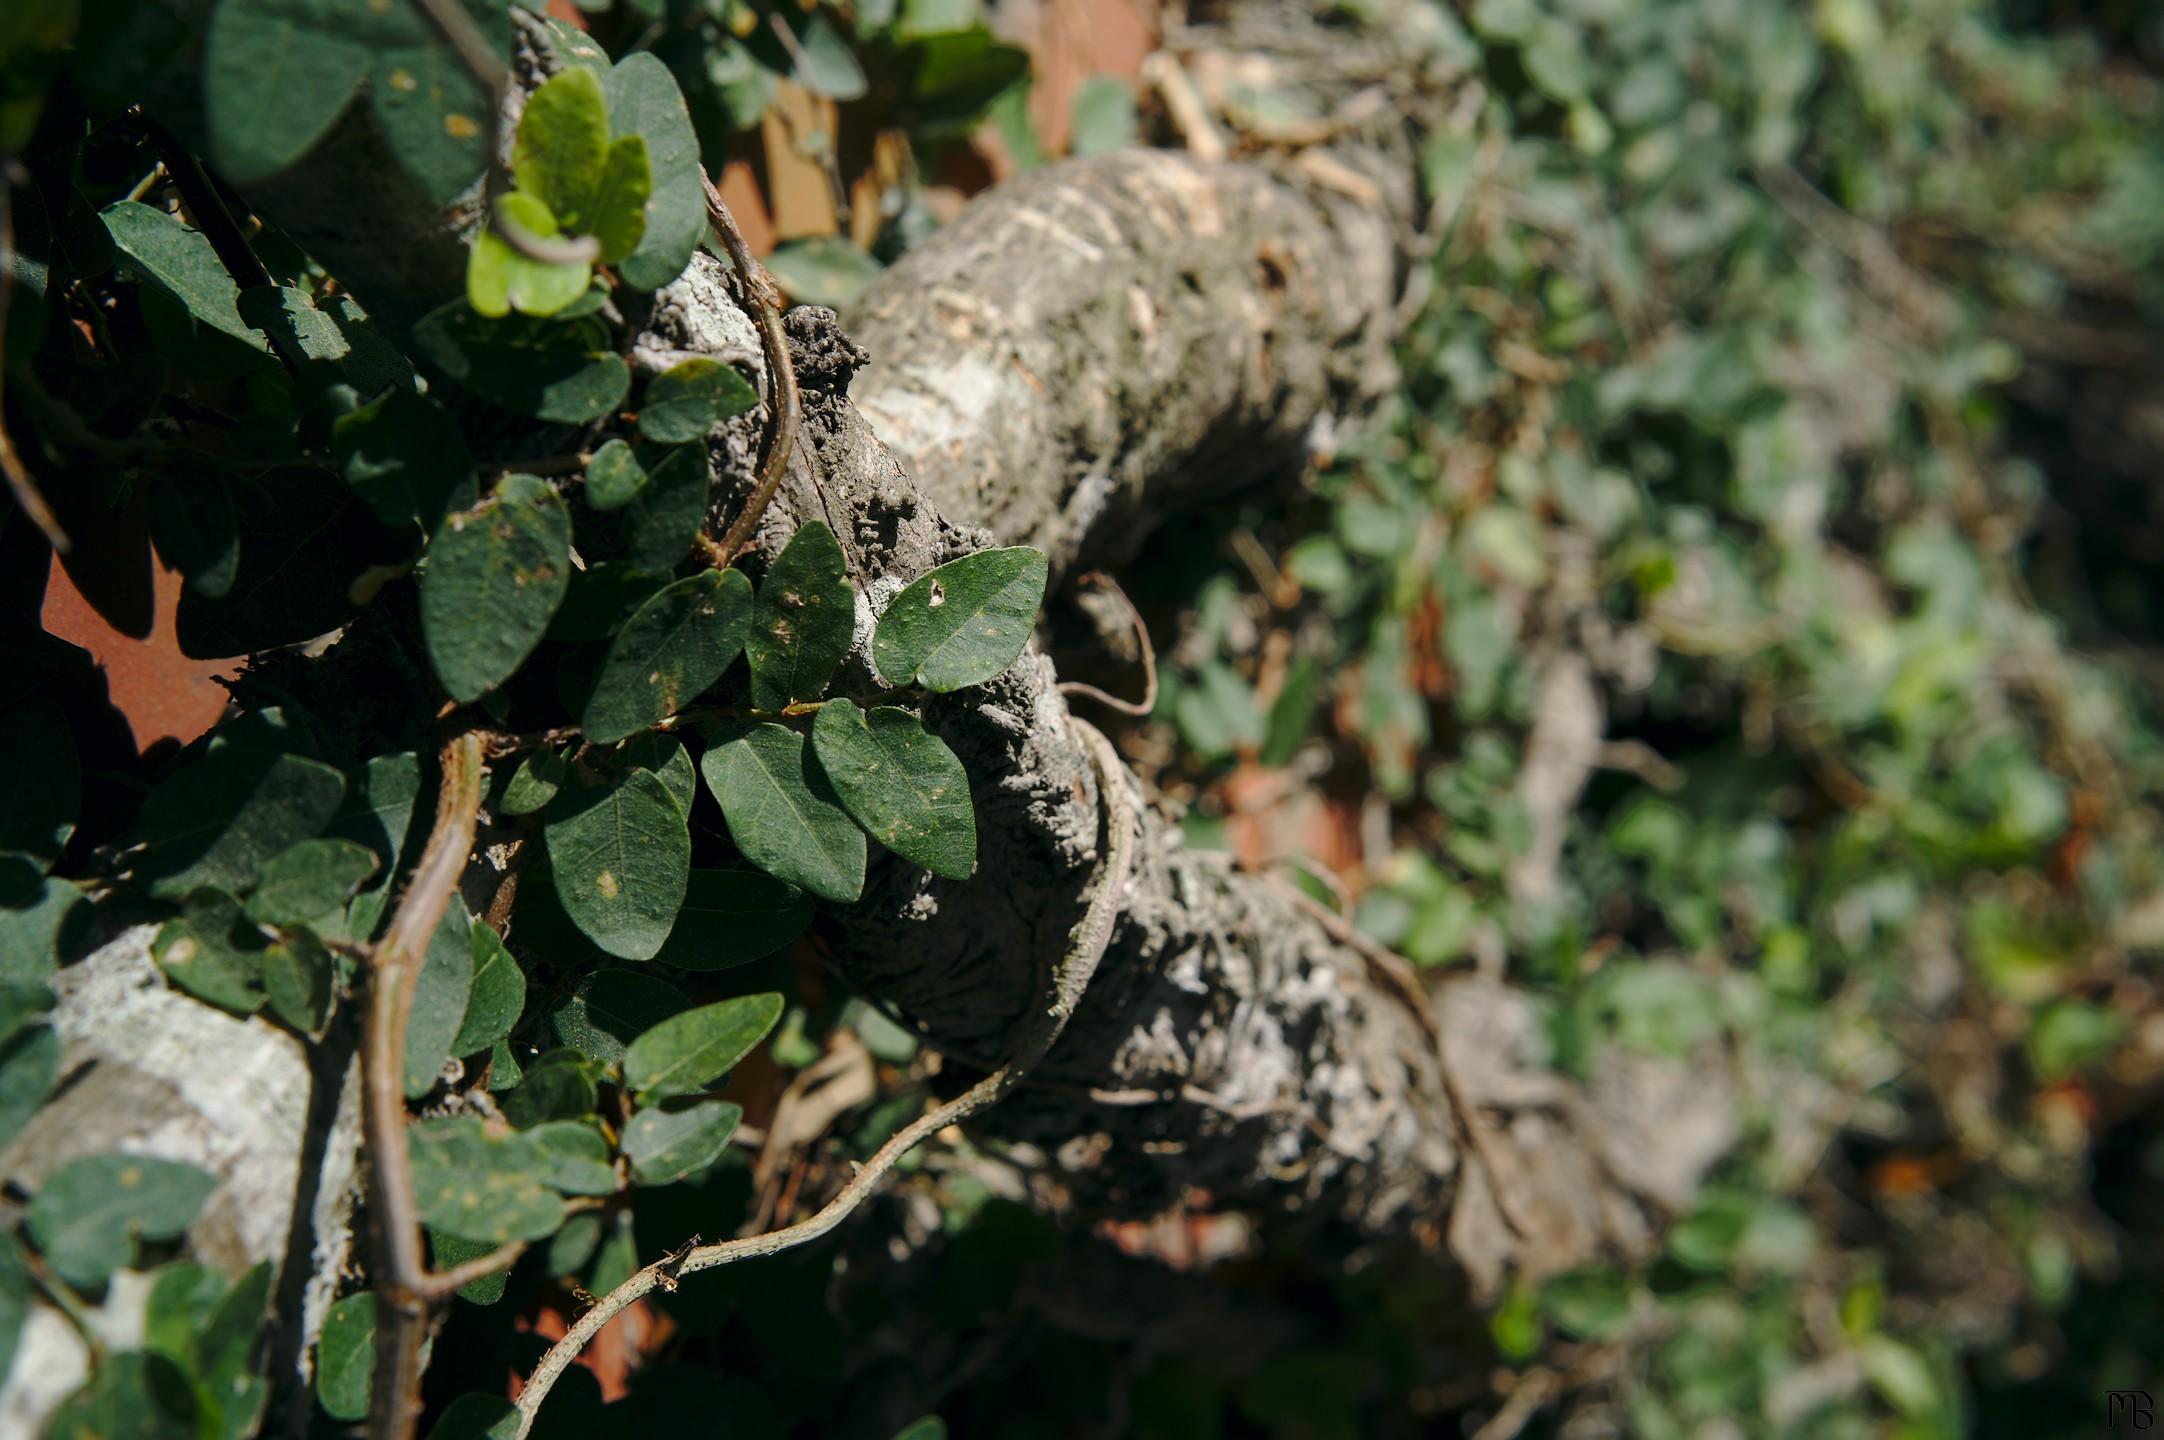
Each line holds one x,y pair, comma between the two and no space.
1087,350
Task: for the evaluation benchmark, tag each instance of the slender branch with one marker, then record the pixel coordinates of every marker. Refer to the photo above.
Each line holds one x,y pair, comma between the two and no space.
1040,1029
20,485
402,1280
443,1283
767,301
1148,702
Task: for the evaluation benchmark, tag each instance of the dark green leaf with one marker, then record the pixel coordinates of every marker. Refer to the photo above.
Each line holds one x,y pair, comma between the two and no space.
1104,116
602,598
406,457
137,1393
29,1067
19,1004
378,812
194,526
825,63
676,645
685,1052
439,1001
783,814
449,1250
478,1187
90,1213
962,623
659,524
278,73
621,856
218,820
477,1417
802,620
346,1357
498,996
644,101
732,917
559,370
41,783
310,880
558,1086
181,264
430,109
614,477
690,398
610,1009
297,977
299,332
666,757
825,271
931,1427
571,1247
210,952
901,783
533,784
14,1299
571,1156
677,1139
495,576
30,931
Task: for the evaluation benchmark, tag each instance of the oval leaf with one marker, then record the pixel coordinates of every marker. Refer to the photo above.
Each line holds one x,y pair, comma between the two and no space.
478,1187
673,647
732,917
782,813
802,620
684,1052
690,398
346,1357
610,1009
622,857
668,1143
964,622
901,783
645,101
495,575
90,1213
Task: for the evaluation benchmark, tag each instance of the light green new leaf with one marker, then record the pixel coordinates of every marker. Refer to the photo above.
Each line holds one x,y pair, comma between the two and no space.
962,623
501,278
644,101
495,575
621,855
610,1009
41,785
673,647
901,783
801,621
497,998
619,214
676,1140
562,370
90,1213
346,1357
682,1054
307,881
782,813
562,146
733,917
440,996
480,1187
691,398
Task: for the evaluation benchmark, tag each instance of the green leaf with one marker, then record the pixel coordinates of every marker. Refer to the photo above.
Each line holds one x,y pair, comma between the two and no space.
690,398
930,1427
480,1187
559,1086
666,757
566,371
627,180
277,74
346,1357
181,264
29,1068
603,596
533,784
685,1052
19,1004
406,457
217,821
297,976
656,529
802,620
901,783
310,880
610,1009
644,101
501,278
1104,116
962,623
732,917
440,994
783,814
431,110
30,931
621,856
675,645
614,478
194,526
41,785
137,1393
571,1156
378,812
446,1251
826,65
562,145
495,575
678,1139
90,1214
14,1300
210,953
497,998
1901,1375
477,1417
296,329
824,271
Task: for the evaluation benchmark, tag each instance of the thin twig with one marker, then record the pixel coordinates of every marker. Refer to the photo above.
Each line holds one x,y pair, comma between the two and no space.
765,298
20,485
1069,978
1148,702
440,1284
402,1280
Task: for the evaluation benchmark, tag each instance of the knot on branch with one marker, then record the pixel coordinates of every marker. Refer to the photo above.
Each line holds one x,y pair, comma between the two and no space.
826,358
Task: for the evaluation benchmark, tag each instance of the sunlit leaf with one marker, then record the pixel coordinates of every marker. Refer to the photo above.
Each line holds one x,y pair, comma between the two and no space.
901,783
676,645
622,857
783,814
495,575
962,623
802,620
685,1052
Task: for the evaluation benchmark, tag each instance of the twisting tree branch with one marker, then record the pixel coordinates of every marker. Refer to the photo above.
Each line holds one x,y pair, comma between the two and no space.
403,1285
1148,702
1040,1029
765,298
